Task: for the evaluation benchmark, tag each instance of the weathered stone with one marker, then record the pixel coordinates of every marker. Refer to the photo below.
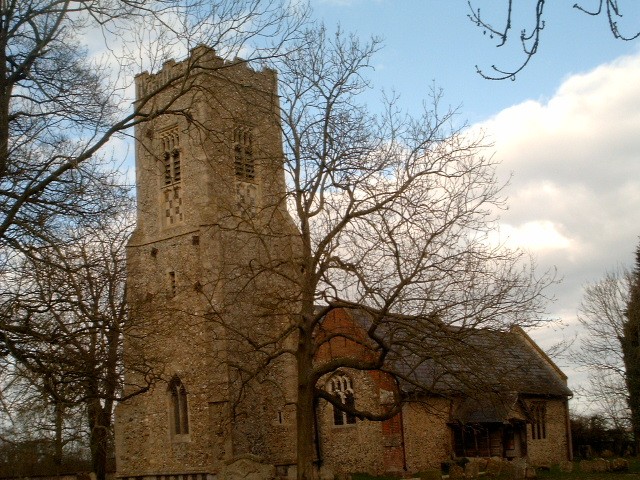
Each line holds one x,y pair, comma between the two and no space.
326,473
530,472
471,469
494,466
597,465
456,472
247,468
619,465
431,475
482,464
566,467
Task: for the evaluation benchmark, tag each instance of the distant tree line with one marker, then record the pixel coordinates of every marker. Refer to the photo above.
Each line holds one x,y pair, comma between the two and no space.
593,436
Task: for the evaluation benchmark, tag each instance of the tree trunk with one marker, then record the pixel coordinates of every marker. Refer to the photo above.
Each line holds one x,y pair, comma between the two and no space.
305,408
99,424
57,456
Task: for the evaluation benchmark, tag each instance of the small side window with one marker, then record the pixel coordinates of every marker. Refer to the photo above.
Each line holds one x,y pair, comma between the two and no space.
179,407
538,420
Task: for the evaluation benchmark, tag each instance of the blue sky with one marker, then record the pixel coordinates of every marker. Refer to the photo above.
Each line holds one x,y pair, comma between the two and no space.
429,40
567,129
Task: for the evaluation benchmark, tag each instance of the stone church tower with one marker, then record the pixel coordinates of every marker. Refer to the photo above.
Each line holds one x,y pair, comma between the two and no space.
211,276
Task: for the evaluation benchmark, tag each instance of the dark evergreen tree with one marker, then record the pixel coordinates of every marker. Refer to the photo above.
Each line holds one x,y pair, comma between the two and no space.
631,349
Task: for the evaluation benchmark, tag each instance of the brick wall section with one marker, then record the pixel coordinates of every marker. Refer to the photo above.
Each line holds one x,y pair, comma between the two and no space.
374,447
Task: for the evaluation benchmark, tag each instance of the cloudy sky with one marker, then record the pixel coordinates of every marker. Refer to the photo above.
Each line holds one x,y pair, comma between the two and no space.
567,129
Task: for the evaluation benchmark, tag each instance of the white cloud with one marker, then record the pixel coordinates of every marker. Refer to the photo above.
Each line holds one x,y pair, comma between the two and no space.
536,235
574,198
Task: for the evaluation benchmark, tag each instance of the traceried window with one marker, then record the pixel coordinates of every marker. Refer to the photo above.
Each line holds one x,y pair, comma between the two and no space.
538,420
179,407
340,386
243,154
172,177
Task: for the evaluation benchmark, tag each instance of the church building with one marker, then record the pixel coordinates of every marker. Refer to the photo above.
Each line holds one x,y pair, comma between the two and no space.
210,294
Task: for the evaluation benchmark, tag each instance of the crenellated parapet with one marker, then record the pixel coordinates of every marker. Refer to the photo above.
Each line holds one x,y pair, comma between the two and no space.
203,59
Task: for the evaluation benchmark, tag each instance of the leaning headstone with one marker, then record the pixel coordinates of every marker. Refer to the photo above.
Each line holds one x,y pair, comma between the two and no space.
456,472
247,467
494,466
482,464
566,467
430,475
471,469
619,465
600,465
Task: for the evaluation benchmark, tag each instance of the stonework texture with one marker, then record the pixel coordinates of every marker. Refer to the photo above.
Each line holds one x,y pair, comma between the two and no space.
554,448
196,300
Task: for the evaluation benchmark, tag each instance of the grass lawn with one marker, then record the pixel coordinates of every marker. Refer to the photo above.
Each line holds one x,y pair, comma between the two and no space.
553,474
556,474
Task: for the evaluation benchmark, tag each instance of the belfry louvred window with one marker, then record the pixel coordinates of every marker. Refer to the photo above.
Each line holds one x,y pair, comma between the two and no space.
243,154
172,177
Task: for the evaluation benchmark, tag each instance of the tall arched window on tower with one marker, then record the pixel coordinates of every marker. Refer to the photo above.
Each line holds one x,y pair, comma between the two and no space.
341,386
179,407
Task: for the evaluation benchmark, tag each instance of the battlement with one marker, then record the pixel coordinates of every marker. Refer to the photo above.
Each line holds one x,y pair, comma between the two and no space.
200,59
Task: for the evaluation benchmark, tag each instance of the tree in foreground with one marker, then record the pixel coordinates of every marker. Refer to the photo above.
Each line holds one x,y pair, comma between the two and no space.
61,108
396,217
391,216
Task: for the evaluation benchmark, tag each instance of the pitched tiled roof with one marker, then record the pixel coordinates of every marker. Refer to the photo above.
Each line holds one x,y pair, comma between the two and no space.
482,360
430,357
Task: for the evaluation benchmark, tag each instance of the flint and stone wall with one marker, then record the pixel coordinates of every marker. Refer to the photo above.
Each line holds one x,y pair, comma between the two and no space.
554,448
194,294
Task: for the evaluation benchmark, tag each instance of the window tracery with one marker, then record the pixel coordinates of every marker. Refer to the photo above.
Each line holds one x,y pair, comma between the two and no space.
341,386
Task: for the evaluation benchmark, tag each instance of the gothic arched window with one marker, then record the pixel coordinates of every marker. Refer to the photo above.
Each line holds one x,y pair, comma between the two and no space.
538,420
179,407
341,386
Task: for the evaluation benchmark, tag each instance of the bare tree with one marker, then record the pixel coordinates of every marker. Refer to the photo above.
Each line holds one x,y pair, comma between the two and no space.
61,303
68,317
531,33
602,315
395,217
